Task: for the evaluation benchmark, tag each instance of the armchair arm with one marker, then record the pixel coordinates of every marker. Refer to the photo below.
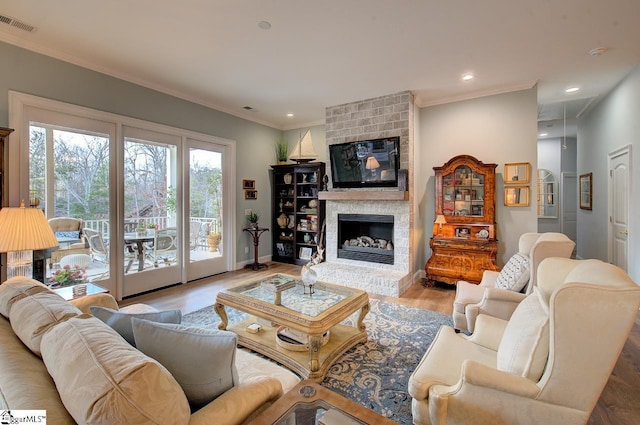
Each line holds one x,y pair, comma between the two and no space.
100,300
487,395
499,303
488,332
238,403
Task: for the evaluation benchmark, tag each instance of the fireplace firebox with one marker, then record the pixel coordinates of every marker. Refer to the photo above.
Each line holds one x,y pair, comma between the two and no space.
366,237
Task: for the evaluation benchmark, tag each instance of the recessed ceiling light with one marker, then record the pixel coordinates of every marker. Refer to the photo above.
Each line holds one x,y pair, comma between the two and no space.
264,25
289,114
467,77
572,89
543,134
598,51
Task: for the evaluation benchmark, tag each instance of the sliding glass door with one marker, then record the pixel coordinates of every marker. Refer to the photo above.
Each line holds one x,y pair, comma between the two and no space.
154,202
206,203
150,232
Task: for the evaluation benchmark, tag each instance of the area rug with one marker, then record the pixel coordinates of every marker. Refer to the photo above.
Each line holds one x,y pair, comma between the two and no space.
374,374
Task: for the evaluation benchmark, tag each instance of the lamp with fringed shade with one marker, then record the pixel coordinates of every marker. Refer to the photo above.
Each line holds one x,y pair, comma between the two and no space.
22,231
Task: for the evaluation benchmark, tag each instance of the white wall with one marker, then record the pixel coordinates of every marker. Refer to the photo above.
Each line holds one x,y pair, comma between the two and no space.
613,123
493,129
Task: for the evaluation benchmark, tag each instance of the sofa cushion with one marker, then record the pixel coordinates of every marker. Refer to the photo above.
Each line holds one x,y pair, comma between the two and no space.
524,347
201,360
121,321
31,317
15,289
515,274
24,381
103,380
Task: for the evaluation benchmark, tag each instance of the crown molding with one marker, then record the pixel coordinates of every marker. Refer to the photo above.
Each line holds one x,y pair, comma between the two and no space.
74,60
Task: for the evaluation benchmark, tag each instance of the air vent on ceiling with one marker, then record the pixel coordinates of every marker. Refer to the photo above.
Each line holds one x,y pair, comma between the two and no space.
17,24
247,108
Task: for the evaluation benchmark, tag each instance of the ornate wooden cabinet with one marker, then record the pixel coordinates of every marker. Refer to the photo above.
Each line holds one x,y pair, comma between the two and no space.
464,233
297,212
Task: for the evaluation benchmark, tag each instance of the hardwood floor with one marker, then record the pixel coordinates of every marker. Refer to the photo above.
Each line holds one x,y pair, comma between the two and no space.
619,403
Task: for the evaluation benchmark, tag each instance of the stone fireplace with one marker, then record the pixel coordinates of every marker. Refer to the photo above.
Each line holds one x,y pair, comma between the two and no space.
386,116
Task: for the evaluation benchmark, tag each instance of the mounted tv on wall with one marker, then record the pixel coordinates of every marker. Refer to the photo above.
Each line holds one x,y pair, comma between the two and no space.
366,163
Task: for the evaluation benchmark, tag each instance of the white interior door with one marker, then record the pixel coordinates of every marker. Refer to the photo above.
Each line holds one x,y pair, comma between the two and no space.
619,191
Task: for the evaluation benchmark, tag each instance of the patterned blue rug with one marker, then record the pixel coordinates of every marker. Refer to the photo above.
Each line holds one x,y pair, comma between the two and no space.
374,374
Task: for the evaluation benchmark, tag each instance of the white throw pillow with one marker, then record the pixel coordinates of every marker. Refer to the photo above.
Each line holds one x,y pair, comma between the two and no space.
524,347
121,322
515,274
203,361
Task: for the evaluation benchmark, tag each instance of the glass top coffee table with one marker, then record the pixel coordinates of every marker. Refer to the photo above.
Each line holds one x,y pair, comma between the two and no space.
312,320
311,404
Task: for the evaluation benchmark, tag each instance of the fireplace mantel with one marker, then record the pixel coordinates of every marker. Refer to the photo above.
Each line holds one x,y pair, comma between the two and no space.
364,195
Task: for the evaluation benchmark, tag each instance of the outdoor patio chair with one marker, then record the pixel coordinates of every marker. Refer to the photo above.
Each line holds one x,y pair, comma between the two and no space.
98,249
165,247
194,234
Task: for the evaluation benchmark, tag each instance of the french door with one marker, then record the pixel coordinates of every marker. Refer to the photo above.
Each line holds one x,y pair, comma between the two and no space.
209,218
156,201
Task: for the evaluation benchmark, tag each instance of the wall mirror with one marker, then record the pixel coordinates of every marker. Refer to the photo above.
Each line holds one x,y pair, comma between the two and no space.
516,196
547,194
517,172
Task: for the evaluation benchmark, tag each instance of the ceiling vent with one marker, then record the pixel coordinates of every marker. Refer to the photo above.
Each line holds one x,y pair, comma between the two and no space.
247,108
17,24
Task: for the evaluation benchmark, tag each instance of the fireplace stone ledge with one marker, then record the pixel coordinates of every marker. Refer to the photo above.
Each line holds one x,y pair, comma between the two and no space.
390,283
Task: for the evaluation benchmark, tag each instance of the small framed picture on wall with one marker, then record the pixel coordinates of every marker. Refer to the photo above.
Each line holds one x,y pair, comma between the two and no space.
248,184
250,194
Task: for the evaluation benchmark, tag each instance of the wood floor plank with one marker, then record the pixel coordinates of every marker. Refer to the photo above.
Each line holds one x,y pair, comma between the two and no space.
619,403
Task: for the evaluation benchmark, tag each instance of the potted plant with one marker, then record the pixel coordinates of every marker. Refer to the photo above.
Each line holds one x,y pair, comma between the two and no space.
281,151
253,220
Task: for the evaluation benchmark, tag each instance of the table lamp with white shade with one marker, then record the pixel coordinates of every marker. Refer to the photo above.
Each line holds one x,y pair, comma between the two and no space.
22,231
440,220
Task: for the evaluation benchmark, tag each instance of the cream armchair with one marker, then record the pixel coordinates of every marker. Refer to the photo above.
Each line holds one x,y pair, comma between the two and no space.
489,298
547,365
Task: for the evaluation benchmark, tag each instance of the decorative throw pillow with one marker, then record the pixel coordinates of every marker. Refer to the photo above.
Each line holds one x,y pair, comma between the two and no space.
121,322
524,347
68,234
515,274
201,360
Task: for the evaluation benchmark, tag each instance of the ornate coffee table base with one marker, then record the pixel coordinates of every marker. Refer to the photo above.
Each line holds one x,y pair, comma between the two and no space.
312,364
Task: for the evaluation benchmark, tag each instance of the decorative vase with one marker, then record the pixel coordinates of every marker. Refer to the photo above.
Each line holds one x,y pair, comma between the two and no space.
288,178
307,238
214,240
309,278
283,221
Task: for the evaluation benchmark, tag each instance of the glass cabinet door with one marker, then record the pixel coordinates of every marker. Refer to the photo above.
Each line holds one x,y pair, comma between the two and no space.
463,193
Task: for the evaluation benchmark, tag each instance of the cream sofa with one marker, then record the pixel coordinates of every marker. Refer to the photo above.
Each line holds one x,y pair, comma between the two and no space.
547,365
56,357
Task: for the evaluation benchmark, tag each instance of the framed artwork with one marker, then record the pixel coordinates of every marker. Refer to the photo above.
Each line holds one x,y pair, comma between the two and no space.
517,173
516,196
250,194
586,186
305,253
248,184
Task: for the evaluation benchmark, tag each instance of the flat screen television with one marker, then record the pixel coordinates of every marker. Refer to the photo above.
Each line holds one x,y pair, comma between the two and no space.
366,163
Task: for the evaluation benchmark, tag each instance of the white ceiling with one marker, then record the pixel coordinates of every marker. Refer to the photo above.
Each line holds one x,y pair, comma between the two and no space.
329,52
